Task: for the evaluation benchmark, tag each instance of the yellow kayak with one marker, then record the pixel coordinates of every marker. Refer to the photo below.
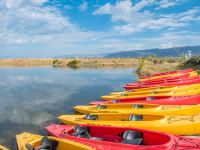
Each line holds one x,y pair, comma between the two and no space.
32,141
144,89
187,92
178,125
157,89
3,148
191,74
172,110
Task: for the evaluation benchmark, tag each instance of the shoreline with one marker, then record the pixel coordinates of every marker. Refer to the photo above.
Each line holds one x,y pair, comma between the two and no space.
64,62
144,66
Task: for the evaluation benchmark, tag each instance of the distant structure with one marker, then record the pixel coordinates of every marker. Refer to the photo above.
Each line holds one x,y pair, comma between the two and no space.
188,55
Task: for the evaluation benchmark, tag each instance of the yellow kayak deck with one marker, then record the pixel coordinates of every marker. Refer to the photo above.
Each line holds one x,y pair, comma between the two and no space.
172,110
34,141
3,148
157,93
178,125
158,89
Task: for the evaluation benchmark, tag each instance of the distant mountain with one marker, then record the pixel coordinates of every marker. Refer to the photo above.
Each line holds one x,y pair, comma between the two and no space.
177,51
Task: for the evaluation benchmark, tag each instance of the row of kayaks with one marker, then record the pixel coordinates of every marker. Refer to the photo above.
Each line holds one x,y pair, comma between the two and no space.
191,79
169,91
165,75
140,118
90,137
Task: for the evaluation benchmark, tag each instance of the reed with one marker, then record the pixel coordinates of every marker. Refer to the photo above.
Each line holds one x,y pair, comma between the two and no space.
71,62
152,64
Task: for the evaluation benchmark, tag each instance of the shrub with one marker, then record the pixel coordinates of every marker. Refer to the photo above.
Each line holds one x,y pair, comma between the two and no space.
73,63
56,62
194,61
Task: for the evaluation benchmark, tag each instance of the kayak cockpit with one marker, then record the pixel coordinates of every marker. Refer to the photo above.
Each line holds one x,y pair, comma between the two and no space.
43,144
122,117
124,106
148,98
28,141
118,135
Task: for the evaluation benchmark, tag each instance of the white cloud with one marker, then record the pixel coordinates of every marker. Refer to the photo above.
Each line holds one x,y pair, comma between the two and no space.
124,10
169,3
106,9
143,3
39,1
151,24
137,19
83,6
28,21
170,39
18,3
122,45
163,39
167,45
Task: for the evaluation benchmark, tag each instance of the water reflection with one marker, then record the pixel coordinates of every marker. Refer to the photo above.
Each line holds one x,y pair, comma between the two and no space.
33,97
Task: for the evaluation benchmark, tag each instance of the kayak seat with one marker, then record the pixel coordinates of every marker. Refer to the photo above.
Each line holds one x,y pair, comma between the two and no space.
97,138
46,144
153,92
137,106
132,137
115,101
91,117
80,131
29,146
83,132
101,106
150,98
135,118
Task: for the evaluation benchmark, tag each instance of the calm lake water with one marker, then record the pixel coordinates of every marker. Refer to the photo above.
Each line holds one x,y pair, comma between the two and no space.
31,98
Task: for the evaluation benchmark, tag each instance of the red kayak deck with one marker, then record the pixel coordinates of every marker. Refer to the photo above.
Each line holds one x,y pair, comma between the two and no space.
187,81
162,100
168,79
121,138
167,73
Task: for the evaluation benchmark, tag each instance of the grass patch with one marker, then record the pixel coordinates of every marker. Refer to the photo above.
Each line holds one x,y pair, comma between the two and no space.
152,64
56,63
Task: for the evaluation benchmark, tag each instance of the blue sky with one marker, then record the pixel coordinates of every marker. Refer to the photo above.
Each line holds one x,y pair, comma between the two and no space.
47,28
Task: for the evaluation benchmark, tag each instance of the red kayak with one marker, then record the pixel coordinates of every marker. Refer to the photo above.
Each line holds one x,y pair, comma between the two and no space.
187,81
162,100
167,79
121,138
167,73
